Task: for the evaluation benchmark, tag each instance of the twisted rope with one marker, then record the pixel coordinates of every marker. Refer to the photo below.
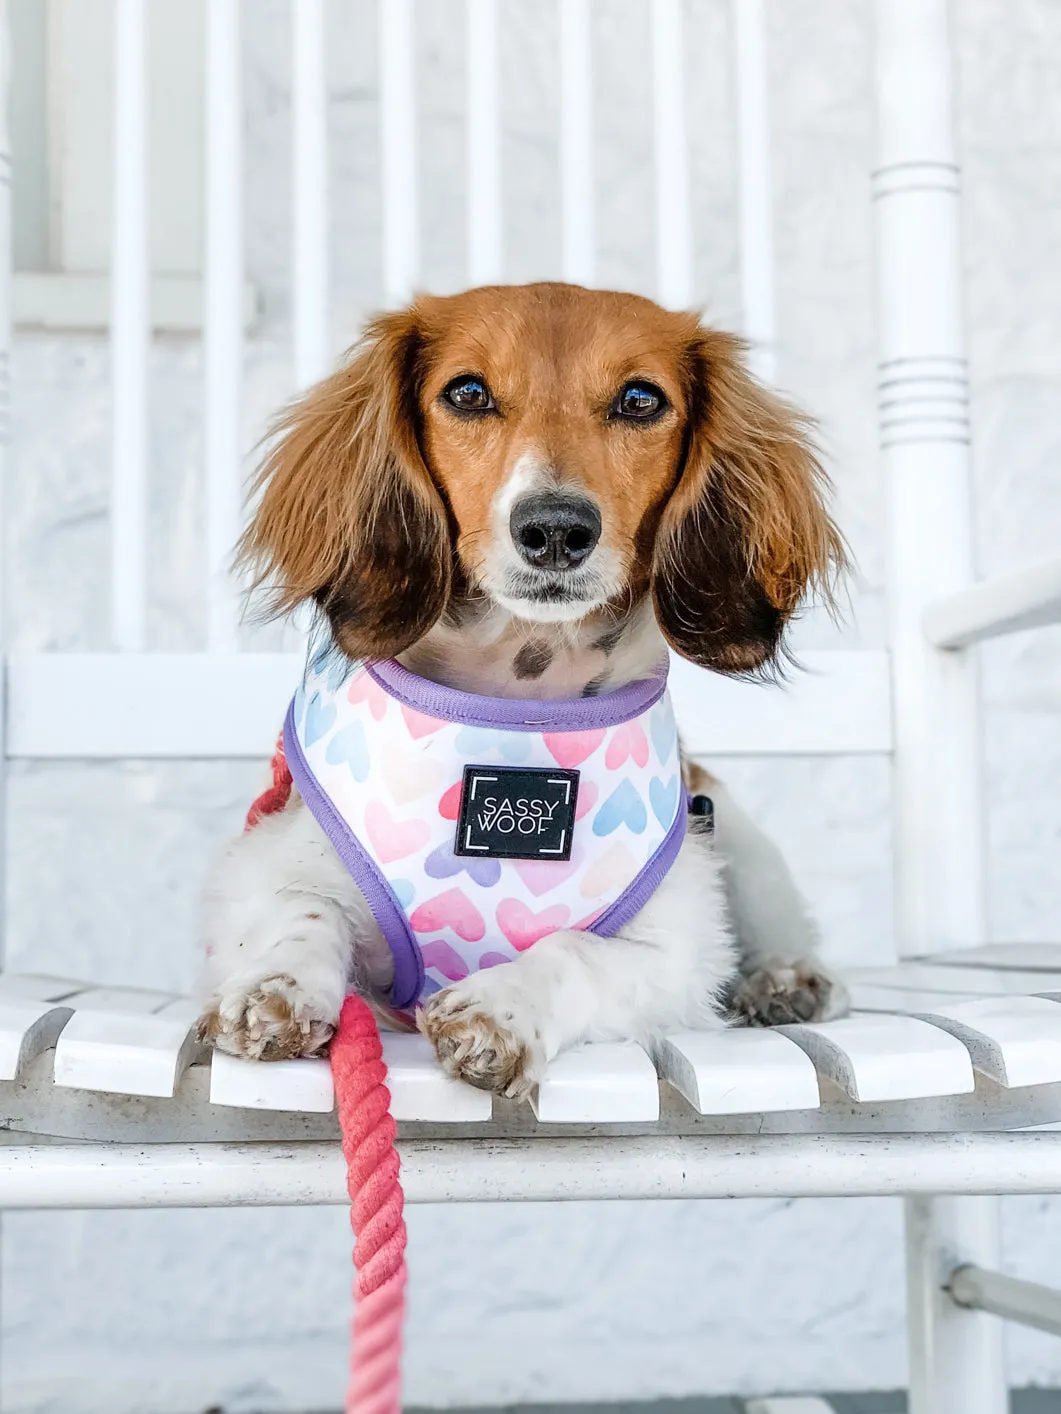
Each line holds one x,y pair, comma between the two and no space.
377,1203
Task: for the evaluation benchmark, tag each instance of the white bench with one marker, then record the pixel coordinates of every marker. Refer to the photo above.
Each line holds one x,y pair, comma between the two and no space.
940,1081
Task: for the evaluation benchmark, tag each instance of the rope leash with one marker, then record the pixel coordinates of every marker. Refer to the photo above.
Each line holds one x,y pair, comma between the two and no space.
376,1212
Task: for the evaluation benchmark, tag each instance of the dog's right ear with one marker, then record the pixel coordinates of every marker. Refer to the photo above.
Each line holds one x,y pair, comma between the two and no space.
349,516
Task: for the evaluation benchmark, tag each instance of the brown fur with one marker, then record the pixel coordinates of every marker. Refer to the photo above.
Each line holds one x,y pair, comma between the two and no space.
377,500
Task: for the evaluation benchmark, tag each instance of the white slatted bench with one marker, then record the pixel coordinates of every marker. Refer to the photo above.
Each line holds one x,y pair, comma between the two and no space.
945,1080
80,1063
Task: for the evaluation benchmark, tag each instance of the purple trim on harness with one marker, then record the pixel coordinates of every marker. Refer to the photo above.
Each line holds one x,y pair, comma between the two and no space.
551,714
388,912
641,888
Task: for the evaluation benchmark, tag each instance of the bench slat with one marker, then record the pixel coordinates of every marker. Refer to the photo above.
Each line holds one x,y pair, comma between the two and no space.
420,1089
877,1057
1014,1040
126,1053
798,1404
606,1083
27,1029
301,1086
35,987
973,981
742,1071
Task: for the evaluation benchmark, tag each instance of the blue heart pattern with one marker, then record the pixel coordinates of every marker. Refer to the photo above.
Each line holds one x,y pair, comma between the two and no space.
623,807
664,732
349,746
320,718
481,741
404,890
663,796
442,863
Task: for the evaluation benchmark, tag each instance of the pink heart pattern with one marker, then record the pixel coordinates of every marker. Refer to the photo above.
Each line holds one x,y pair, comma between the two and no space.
452,909
523,928
570,749
393,839
439,955
627,740
364,688
542,875
419,724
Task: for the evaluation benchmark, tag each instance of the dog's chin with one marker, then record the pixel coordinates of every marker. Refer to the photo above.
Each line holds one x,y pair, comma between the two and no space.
550,599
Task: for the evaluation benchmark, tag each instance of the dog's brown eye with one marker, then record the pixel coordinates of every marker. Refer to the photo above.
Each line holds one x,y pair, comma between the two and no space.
640,401
468,394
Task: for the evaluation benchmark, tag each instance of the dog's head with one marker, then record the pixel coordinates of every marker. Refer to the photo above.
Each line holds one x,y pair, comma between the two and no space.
555,450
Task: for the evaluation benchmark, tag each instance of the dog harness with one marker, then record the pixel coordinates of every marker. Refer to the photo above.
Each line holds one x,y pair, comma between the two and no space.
476,825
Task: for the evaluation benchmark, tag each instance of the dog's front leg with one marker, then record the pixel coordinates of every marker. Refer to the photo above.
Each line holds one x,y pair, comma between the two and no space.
286,933
499,1028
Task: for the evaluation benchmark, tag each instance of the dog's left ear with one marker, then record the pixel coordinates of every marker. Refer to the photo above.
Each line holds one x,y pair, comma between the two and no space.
745,534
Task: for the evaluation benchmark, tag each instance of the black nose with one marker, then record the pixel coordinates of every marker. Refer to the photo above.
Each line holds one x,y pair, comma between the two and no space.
554,532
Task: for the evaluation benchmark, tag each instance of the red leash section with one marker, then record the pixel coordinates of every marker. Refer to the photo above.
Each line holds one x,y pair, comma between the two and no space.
376,1214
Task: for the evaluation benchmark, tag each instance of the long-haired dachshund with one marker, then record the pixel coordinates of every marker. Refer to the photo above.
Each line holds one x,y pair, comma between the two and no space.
512,496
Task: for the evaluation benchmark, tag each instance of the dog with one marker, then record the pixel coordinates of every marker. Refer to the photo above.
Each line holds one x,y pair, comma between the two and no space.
532,493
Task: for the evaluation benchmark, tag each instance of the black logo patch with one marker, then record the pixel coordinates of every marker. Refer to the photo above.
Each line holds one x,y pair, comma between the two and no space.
517,813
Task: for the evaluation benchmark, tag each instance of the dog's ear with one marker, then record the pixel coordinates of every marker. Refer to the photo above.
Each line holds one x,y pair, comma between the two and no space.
745,533
349,516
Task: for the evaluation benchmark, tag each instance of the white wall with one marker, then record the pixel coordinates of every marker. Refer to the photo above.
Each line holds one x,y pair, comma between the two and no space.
172,1312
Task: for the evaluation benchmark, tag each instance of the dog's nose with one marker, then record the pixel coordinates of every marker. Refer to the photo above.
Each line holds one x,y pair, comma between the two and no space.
554,532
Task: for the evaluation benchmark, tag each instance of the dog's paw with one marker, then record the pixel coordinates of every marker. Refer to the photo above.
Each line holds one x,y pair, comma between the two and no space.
272,1019
479,1036
781,993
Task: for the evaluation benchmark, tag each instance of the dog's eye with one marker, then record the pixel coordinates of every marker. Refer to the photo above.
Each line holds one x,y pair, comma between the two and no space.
640,401
469,394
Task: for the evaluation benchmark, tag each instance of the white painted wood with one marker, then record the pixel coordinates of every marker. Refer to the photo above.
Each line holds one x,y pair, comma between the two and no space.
607,1083
420,1089
835,702
36,987
223,324
1025,1302
309,191
1014,1040
483,144
674,252
125,1053
924,432
755,211
956,1356
397,126
1032,957
76,300
1029,598
902,1001
886,1057
130,330
534,1170
577,242
738,1071
798,1404
198,705
170,705
124,1001
301,1085
27,1030
973,981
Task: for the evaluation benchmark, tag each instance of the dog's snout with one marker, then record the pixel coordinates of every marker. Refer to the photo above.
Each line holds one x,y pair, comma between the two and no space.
553,531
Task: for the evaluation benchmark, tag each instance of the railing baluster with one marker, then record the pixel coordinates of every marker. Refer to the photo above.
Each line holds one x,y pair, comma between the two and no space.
223,313
755,207
309,192
577,254
130,329
483,143
674,256
397,119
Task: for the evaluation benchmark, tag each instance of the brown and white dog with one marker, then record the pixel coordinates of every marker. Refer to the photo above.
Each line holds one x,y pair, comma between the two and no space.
531,491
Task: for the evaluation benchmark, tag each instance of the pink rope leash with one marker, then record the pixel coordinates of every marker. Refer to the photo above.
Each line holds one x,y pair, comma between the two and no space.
376,1213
